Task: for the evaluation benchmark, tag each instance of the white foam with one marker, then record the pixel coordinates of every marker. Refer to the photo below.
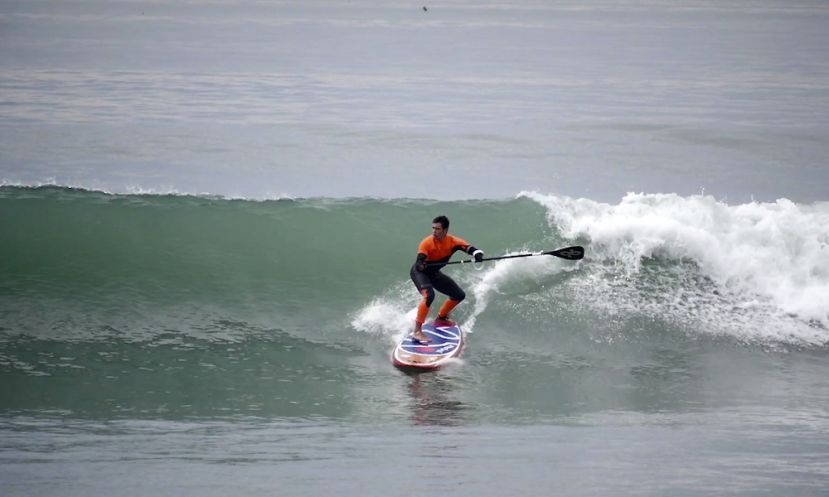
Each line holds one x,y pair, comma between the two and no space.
391,315
503,273
769,253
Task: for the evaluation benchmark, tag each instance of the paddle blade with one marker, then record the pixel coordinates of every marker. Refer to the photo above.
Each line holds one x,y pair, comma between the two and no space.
570,253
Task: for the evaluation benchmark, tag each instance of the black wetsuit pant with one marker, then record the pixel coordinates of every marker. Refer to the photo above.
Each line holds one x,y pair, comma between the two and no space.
435,280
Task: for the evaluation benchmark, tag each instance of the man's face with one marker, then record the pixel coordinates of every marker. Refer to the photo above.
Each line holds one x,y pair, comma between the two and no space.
438,232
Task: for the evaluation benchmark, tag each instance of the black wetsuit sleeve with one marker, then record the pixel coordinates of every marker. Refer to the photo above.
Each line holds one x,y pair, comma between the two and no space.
421,259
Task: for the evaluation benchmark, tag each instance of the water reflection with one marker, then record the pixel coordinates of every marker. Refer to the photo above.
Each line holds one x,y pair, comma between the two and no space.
434,399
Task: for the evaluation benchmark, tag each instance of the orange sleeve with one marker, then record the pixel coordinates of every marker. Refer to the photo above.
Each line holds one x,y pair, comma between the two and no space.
459,242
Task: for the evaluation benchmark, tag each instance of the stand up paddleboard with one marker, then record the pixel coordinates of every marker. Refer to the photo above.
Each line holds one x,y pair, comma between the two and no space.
446,342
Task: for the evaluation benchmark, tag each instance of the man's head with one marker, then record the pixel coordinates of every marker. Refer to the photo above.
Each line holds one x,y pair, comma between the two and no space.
440,226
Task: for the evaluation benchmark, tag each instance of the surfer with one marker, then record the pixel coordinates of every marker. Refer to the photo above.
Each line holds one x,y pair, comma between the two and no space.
432,254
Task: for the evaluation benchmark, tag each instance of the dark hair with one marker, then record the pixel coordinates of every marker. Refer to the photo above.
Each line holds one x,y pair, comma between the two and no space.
443,220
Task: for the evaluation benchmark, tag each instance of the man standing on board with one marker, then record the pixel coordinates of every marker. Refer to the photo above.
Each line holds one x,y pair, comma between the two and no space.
437,249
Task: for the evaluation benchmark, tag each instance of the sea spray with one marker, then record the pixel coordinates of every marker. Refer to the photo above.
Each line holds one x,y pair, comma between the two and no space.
391,315
511,272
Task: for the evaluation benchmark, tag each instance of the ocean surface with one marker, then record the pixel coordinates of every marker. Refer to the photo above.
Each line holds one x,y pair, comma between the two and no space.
208,211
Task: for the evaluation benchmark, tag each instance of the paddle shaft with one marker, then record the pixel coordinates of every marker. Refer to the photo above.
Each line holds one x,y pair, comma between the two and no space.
570,253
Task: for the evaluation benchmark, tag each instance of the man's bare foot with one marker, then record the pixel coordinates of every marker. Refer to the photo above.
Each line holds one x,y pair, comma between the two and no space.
418,335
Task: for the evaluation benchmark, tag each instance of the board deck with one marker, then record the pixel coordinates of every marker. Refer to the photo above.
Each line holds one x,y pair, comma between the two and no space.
446,343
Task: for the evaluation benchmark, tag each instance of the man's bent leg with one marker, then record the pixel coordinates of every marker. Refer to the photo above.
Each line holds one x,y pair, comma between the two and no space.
446,308
422,312
423,308
446,285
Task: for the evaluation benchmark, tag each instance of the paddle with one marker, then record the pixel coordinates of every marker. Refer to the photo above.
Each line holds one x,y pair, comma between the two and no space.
570,253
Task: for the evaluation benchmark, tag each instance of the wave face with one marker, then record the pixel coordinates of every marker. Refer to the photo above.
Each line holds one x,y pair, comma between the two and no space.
303,296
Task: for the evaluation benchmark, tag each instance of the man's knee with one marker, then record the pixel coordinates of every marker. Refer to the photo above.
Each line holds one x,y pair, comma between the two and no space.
459,296
428,295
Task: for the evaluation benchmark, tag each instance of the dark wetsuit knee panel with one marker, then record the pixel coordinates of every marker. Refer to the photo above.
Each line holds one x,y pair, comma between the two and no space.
429,295
423,283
